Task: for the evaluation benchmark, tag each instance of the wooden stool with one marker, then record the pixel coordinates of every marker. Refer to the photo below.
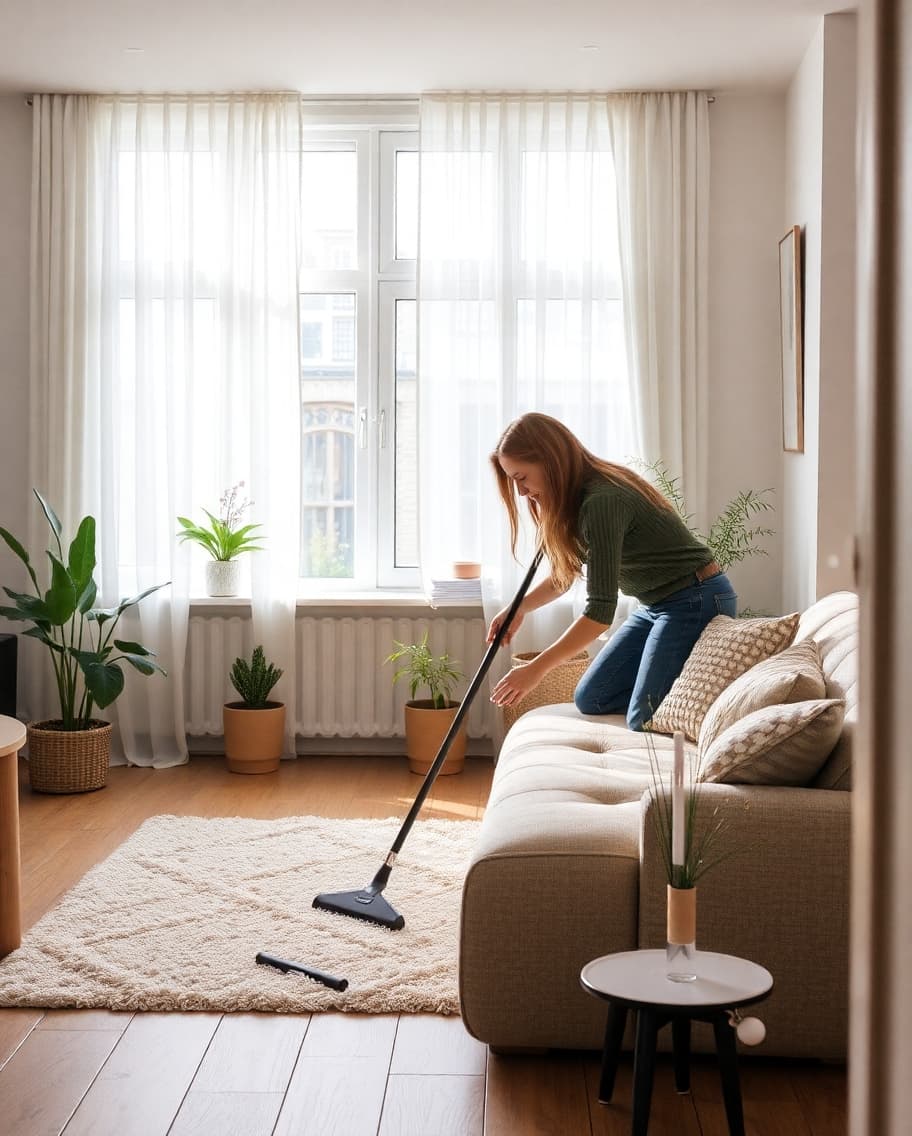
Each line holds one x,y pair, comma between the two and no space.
12,739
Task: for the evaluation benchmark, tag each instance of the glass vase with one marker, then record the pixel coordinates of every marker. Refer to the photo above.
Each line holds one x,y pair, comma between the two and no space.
681,934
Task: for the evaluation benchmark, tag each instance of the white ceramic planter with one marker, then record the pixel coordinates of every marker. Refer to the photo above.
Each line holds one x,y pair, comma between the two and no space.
222,577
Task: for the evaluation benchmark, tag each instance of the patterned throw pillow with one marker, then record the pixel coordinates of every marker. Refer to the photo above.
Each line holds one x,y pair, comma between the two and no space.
779,745
725,650
794,675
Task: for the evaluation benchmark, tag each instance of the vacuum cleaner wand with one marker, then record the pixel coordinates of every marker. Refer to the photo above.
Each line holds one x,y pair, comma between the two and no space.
369,903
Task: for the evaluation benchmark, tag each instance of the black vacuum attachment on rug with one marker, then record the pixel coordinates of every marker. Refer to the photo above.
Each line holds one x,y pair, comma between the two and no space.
284,965
369,903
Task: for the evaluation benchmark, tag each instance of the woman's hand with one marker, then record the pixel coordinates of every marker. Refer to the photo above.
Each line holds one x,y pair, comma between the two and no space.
497,622
517,684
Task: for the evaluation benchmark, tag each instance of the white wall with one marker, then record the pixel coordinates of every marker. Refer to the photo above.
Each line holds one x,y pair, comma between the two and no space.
15,178
804,164
819,495
747,138
750,166
836,492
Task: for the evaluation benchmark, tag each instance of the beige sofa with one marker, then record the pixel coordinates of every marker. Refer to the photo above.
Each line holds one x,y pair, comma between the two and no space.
566,868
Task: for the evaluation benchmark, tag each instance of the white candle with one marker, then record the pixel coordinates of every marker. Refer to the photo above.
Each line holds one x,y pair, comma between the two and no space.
677,801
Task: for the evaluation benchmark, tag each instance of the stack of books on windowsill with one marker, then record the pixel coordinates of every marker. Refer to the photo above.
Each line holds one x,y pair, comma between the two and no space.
455,592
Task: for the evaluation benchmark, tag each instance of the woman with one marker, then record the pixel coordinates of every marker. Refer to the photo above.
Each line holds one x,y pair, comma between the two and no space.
594,513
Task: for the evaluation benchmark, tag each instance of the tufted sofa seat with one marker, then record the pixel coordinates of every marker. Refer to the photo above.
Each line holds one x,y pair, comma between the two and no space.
566,868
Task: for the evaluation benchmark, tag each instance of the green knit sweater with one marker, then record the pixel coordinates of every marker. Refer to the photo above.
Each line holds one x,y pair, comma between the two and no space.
632,545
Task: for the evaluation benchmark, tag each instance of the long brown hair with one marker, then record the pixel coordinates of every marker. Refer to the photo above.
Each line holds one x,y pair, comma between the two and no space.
566,466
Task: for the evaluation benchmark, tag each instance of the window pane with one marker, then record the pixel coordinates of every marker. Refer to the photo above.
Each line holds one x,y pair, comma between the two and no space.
329,209
569,209
562,346
406,204
470,179
328,336
406,435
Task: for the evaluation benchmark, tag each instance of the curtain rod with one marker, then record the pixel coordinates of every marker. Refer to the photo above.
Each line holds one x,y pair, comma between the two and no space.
315,100
222,96
477,92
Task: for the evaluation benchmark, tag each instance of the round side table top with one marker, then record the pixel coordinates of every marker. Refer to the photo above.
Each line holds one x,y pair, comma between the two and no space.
638,978
12,735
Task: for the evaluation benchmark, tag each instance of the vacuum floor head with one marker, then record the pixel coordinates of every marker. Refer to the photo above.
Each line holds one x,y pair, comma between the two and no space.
365,904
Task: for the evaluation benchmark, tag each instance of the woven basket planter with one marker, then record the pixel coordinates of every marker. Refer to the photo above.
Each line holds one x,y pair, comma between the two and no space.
68,761
557,685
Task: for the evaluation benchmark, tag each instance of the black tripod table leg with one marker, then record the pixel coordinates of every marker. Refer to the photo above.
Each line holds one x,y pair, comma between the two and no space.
614,1035
728,1070
680,1040
643,1069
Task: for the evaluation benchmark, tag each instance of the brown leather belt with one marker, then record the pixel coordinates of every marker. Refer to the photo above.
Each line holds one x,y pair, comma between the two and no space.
708,571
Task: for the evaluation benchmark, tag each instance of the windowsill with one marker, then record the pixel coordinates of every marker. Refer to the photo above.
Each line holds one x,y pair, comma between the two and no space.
379,598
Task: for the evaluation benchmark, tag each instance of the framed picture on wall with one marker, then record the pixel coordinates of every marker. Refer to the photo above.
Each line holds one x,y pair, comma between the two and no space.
790,341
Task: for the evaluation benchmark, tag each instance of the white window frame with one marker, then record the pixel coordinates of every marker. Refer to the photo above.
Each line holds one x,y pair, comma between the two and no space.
388,573
396,280
375,147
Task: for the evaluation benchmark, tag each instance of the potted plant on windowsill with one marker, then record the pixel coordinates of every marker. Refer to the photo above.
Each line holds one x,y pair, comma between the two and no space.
427,720
254,727
70,754
224,538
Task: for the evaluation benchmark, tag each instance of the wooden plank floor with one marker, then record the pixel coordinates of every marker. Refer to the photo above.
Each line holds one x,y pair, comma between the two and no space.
94,1073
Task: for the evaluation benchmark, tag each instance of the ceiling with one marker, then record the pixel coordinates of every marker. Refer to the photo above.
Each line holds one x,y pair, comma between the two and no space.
386,47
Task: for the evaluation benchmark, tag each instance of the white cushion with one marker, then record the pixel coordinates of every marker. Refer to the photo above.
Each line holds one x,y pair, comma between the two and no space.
778,745
793,675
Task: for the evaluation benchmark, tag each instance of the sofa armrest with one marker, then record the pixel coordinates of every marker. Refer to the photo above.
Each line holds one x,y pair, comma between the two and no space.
780,897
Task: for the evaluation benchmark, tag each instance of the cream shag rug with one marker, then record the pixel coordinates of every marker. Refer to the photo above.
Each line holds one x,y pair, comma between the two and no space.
173,919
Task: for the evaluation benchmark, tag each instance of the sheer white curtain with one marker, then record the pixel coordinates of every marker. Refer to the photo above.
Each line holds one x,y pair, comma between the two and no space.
520,309
164,359
660,146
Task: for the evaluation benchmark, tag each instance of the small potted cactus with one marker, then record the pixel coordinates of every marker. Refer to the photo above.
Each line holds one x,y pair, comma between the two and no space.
254,727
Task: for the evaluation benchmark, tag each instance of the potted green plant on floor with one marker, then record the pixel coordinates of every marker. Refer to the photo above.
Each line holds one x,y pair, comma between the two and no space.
254,727
70,754
224,538
427,720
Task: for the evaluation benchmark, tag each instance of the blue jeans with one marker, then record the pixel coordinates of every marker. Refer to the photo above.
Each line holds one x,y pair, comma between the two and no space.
637,666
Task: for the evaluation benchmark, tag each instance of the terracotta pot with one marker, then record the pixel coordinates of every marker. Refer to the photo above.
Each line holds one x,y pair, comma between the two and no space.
68,761
254,739
425,729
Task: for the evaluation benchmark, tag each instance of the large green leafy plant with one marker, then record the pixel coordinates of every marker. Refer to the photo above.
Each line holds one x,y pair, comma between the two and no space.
423,669
85,655
224,537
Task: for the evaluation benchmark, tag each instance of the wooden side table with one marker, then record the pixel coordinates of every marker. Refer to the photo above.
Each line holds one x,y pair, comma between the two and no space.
12,739
636,980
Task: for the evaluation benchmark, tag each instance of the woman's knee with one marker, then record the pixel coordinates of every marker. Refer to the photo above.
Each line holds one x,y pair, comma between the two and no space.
584,698
638,715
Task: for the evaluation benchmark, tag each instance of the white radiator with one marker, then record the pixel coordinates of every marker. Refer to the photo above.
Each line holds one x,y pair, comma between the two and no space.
345,689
